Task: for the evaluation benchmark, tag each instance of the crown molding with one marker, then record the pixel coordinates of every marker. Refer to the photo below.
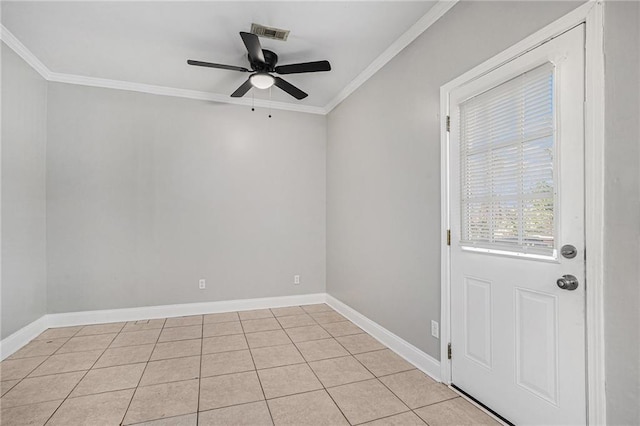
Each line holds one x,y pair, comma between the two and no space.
429,18
432,15
21,50
179,93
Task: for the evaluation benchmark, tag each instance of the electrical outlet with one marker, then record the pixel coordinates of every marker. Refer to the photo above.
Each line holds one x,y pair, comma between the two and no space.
202,284
296,279
435,329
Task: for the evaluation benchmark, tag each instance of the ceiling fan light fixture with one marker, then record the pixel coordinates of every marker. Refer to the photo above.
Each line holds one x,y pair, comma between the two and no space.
262,80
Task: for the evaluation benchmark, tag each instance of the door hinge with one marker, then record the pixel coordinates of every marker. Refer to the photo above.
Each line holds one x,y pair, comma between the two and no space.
448,237
449,351
448,123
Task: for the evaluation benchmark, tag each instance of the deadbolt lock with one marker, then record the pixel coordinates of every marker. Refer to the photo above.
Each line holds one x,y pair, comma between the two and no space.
568,251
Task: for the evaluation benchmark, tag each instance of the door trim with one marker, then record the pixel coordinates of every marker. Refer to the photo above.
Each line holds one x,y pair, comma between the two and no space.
591,14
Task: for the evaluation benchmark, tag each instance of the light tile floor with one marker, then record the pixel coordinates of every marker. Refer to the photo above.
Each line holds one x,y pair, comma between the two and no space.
299,365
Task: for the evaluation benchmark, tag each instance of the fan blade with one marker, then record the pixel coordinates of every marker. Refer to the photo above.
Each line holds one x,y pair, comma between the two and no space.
242,90
304,67
212,65
290,88
253,46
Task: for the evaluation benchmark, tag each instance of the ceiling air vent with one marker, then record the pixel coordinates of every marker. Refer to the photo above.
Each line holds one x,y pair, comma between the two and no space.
269,32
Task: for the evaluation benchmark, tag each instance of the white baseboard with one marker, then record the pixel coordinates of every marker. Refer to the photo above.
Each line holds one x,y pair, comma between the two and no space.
406,350
415,356
12,343
168,311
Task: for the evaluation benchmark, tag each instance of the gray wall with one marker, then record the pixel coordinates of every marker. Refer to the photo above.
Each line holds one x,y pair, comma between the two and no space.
24,109
146,194
622,212
383,167
383,187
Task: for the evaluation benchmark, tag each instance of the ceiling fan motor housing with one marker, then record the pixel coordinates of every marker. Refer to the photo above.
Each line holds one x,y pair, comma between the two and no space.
270,61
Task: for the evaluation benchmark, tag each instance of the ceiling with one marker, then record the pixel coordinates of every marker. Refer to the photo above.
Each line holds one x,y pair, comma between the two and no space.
149,42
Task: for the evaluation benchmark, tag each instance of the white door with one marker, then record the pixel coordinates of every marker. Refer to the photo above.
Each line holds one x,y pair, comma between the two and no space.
517,197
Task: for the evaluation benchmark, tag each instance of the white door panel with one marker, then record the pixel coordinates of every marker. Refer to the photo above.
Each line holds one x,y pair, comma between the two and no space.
537,343
477,320
517,338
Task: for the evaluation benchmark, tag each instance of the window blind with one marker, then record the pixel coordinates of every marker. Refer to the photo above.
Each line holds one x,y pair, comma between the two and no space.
507,138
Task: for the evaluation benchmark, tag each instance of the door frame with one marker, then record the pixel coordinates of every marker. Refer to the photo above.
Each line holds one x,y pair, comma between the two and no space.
591,14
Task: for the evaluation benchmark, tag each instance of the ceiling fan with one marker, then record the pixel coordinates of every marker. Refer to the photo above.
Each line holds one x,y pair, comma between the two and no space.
263,63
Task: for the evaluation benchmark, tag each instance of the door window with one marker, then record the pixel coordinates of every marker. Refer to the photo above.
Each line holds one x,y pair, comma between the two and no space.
507,146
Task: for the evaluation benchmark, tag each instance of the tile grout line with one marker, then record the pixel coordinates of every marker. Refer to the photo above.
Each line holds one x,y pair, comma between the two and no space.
378,378
314,373
341,356
256,370
43,361
83,351
200,372
73,371
30,371
401,400
10,358
164,418
294,394
146,386
89,394
305,361
387,417
435,403
83,376
327,392
390,390
124,416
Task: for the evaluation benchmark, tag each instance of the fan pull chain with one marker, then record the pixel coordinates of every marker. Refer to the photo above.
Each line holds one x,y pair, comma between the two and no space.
270,101
253,100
